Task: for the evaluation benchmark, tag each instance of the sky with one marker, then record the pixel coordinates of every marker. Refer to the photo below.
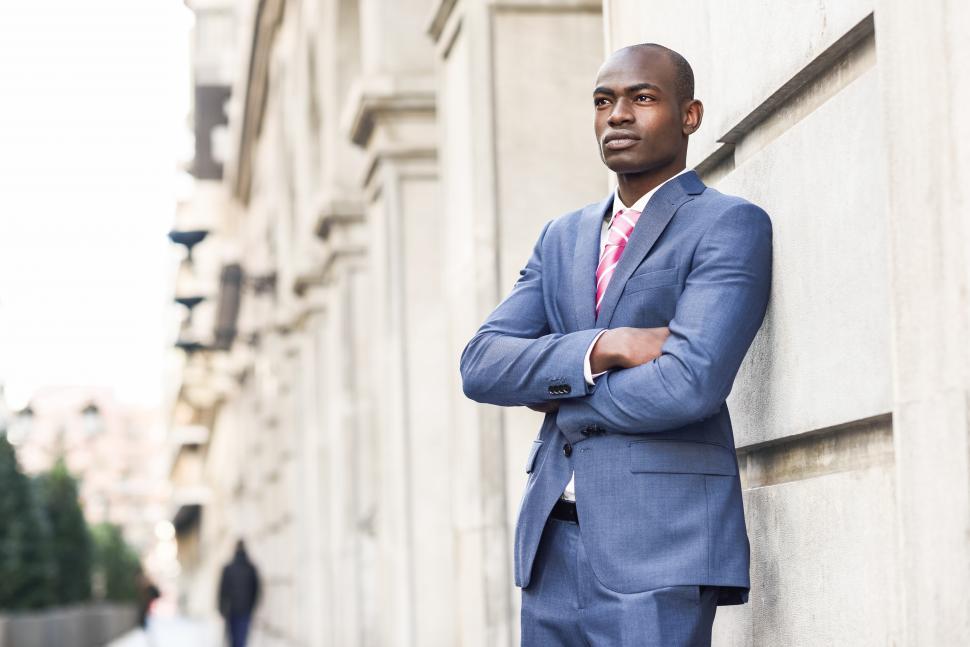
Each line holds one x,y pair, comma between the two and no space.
93,130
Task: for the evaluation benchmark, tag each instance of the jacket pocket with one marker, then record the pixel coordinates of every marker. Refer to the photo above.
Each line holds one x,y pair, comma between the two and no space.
531,461
652,279
681,457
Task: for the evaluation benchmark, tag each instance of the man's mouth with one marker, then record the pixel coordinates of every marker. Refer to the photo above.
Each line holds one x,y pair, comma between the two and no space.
620,143
619,140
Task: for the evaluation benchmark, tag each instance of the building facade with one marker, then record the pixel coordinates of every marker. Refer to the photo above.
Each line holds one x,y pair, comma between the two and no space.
388,166
112,449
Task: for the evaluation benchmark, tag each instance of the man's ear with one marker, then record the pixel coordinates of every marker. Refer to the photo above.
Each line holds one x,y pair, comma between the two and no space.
693,115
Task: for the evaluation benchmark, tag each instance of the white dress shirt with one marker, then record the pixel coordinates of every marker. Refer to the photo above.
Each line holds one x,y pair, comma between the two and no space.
570,492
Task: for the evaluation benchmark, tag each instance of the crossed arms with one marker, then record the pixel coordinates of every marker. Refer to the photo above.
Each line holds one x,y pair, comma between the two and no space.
514,359
619,348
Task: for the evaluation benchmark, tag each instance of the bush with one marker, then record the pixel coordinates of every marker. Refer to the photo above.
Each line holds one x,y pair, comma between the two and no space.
27,569
48,553
116,563
70,541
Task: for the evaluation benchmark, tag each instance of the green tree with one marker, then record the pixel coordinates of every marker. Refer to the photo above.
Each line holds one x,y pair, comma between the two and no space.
71,543
116,563
26,566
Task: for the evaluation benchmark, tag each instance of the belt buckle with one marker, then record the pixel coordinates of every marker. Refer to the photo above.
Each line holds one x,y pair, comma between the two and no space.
565,510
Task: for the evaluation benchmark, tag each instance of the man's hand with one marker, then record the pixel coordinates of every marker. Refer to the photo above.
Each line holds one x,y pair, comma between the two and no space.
627,347
619,348
545,407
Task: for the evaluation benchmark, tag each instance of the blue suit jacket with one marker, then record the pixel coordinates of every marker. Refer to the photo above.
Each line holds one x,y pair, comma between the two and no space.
657,486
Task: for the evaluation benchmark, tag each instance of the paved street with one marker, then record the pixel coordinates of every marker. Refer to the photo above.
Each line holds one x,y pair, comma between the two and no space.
173,631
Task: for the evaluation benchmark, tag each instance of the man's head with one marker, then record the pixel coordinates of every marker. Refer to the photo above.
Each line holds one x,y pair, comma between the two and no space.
645,109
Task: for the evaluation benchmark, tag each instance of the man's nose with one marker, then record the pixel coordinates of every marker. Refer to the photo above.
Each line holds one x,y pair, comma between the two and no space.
621,113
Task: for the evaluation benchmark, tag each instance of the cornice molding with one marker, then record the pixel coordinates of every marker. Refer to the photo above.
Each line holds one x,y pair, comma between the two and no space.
337,212
385,97
269,15
443,11
439,18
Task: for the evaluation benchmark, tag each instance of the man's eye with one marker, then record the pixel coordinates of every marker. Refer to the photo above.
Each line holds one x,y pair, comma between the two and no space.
644,97
599,101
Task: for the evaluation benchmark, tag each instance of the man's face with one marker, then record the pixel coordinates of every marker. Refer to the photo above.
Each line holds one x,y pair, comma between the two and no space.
638,118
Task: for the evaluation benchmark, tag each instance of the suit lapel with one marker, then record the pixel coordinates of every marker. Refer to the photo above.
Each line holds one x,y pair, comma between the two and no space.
656,215
585,258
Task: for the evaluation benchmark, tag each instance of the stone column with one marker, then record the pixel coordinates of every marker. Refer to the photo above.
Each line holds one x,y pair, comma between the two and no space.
316,610
390,114
515,84
345,436
923,50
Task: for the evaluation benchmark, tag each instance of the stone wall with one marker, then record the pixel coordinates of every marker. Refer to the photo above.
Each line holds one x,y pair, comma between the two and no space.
803,117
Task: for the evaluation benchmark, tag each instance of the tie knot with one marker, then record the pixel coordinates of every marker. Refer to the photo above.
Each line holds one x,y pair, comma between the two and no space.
625,221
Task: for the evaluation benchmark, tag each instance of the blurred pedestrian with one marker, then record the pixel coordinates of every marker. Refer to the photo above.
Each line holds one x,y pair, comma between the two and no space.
238,595
147,594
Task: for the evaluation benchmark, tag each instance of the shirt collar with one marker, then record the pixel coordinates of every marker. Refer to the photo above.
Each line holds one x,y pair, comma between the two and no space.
640,204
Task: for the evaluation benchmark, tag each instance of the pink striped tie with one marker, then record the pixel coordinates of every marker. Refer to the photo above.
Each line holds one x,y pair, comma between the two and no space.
616,240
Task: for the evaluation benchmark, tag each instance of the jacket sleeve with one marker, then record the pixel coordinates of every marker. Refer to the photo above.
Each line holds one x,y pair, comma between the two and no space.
717,316
514,359
257,591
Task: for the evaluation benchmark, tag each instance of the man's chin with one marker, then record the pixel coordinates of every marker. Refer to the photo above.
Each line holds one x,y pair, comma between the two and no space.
627,163
619,164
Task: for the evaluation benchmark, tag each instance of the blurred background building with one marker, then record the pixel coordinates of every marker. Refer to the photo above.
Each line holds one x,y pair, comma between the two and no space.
370,178
84,496
113,450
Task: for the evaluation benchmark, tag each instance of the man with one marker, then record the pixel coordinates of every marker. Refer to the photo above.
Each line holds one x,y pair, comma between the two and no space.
627,327
238,595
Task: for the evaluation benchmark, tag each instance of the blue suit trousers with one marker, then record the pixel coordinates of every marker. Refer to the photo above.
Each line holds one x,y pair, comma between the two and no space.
565,605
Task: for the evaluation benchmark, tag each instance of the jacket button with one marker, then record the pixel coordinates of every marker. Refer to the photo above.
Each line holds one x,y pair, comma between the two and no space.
567,450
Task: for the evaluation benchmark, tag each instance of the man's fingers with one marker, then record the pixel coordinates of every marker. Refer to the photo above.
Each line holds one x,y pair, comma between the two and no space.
544,408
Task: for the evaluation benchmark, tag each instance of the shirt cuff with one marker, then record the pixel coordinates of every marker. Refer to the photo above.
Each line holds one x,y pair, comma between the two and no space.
587,371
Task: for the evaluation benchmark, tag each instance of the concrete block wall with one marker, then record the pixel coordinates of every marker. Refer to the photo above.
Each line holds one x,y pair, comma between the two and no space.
86,625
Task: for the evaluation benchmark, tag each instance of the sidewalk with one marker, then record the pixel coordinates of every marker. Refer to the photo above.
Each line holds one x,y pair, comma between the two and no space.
172,631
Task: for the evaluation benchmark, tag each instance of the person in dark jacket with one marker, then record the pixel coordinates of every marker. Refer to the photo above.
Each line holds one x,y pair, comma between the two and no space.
238,595
147,594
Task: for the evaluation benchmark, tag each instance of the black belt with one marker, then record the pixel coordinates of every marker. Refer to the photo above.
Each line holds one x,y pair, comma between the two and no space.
565,510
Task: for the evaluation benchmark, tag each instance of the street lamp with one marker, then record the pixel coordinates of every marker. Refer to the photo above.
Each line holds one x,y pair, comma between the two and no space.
91,415
22,425
189,302
187,340
4,411
189,239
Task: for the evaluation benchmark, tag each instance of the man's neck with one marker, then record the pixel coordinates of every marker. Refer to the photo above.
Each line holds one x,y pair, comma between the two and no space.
633,186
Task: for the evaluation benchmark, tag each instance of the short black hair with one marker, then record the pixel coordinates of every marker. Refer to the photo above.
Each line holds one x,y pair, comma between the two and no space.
683,72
